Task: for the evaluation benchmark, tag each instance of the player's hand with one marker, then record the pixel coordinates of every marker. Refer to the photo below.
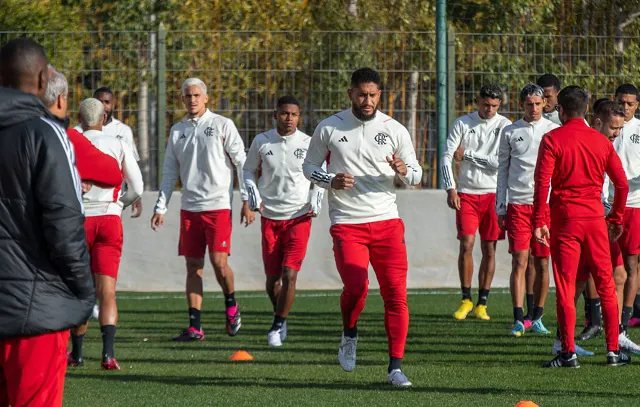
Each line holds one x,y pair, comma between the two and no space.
136,208
615,231
310,212
261,209
343,181
397,165
501,222
453,200
542,235
247,215
157,220
86,187
459,154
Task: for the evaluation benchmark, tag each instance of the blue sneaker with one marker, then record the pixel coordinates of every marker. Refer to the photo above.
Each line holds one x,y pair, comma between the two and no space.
538,327
557,349
517,329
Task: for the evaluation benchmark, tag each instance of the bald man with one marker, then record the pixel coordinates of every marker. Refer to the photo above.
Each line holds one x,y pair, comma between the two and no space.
44,264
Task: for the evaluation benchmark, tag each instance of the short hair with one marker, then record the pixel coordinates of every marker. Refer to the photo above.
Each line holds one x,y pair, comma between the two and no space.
103,89
531,89
19,57
607,109
491,91
193,82
56,86
549,80
573,100
365,75
627,89
597,104
287,100
91,112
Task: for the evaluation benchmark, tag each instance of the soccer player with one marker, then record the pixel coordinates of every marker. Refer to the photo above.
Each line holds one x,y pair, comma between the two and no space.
201,153
283,198
551,86
474,141
572,160
365,151
103,228
517,159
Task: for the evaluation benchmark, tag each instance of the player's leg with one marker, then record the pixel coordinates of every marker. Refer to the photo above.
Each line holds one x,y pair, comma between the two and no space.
272,256
540,290
390,263
490,233
518,226
106,293
530,282
467,222
351,252
629,244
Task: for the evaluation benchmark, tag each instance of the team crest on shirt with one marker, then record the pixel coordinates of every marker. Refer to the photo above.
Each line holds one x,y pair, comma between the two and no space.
119,137
208,131
381,138
497,131
299,153
635,139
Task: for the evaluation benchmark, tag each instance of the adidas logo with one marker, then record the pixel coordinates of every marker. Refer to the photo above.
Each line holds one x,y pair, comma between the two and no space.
519,139
473,131
183,136
269,152
343,139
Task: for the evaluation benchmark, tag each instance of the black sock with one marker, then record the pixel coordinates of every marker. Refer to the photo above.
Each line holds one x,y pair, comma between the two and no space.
394,363
76,346
529,307
482,297
108,337
277,323
466,293
518,314
626,316
587,311
351,332
537,313
636,307
595,312
229,300
194,318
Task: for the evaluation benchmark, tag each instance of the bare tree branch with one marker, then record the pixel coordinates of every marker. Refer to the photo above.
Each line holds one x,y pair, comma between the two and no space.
629,19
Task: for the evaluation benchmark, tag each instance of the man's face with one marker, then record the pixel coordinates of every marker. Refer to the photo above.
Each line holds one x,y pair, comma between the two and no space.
630,104
611,128
551,94
532,106
107,101
488,107
195,101
287,118
364,100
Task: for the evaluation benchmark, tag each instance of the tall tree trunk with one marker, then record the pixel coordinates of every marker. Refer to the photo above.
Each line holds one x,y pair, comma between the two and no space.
352,8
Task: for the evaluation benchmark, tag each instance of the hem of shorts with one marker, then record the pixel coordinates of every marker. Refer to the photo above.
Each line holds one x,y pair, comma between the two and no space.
291,217
351,221
477,191
206,209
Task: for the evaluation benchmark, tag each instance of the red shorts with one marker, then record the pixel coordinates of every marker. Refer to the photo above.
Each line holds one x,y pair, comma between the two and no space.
104,241
630,240
32,370
519,225
478,212
201,229
616,261
284,243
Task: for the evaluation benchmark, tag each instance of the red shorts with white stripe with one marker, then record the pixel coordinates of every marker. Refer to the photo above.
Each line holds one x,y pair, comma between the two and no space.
519,227
104,241
477,213
201,229
284,243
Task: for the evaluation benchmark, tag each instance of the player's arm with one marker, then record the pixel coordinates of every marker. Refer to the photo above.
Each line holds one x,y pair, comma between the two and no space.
604,195
170,175
618,178
93,165
404,161
545,165
132,175
234,147
504,159
128,137
453,142
316,156
250,169
315,197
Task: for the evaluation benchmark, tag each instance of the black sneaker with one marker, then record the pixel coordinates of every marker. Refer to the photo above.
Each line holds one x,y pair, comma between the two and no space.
589,332
617,358
71,362
563,360
234,322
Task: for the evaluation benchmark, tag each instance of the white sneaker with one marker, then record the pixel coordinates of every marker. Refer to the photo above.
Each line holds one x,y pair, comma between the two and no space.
627,344
398,379
283,331
557,348
347,353
96,312
274,338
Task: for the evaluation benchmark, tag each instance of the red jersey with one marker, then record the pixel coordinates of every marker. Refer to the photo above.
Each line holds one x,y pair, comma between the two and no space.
93,164
574,158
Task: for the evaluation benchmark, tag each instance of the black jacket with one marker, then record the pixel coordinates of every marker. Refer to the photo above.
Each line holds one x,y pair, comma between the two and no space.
45,276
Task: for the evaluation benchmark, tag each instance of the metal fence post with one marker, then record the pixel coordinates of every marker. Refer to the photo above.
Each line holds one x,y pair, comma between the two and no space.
441,76
162,99
451,76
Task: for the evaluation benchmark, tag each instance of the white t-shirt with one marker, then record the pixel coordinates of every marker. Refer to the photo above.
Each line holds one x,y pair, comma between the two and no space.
627,145
115,128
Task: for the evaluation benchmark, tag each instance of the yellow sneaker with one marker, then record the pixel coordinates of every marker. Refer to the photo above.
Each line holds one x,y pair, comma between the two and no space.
465,308
481,312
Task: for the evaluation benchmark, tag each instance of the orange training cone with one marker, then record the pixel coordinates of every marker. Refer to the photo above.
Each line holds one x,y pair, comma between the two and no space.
526,403
241,355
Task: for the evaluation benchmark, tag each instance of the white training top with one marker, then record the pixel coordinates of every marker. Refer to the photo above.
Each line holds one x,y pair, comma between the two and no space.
359,148
517,158
554,116
115,128
201,152
109,201
282,188
627,145
480,139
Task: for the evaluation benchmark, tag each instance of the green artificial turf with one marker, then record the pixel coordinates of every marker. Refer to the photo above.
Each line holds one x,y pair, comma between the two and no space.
451,363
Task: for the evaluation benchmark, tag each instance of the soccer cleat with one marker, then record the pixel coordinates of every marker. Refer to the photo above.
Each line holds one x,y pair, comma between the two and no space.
109,363
557,349
527,324
517,329
463,310
274,337
283,331
617,358
538,327
627,345
398,379
347,353
71,362
563,360
190,334
589,332
481,312
234,322
633,322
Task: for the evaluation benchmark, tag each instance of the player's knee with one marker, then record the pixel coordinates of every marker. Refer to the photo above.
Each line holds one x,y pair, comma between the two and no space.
194,264
289,276
489,249
466,247
520,264
356,289
619,276
219,262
